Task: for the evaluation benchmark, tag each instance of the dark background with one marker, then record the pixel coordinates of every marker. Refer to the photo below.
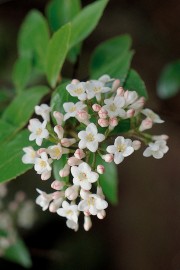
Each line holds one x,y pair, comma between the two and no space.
143,231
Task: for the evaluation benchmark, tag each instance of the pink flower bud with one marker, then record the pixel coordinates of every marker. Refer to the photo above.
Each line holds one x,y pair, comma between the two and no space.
130,113
72,192
101,214
59,131
103,113
82,115
96,107
45,175
87,223
108,157
55,205
57,195
100,193
65,171
136,144
73,161
103,122
57,185
139,104
146,124
115,84
100,169
67,142
75,81
120,91
79,153
41,150
59,117
113,122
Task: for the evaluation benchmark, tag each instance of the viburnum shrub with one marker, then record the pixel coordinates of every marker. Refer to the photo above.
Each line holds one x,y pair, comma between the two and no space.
86,123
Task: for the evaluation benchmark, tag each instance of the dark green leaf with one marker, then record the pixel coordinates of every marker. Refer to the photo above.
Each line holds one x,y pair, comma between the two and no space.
85,22
57,166
11,154
169,82
112,57
135,83
123,126
21,73
18,253
7,131
56,53
109,180
22,107
33,38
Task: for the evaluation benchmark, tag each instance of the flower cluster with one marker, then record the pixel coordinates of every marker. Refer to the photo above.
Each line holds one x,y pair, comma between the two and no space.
19,212
87,130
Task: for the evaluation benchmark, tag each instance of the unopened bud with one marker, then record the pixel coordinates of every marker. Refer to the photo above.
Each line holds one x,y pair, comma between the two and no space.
139,104
100,169
59,131
96,107
54,206
82,115
57,185
57,195
72,192
103,113
59,117
67,142
101,214
73,161
65,171
84,194
120,91
79,153
103,122
41,150
87,223
113,122
146,124
115,84
130,113
75,81
136,144
100,193
108,158
45,175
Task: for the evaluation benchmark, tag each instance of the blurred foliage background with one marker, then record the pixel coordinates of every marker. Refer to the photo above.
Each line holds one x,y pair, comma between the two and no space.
143,231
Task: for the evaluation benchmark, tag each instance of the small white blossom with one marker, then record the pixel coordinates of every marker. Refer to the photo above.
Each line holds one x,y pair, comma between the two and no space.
43,110
72,192
130,97
92,204
39,131
153,116
83,176
72,225
71,109
29,156
95,89
77,90
90,138
156,149
122,148
55,151
114,106
70,211
105,78
44,199
42,165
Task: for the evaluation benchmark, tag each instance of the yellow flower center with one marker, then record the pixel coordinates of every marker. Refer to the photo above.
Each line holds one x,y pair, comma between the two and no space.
38,131
78,91
56,152
42,163
82,176
112,107
97,89
90,137
121,147
73,109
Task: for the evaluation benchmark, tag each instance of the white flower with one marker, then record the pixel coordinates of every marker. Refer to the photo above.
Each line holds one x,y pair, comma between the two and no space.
92,204
42,165
153,116
43,110
30,155
39,131
90,138
55,151
105,78
77,90
70,211
114,106
43,199
72,225
72,192
130,97
156,149
95,89
122,148
83,176
71,109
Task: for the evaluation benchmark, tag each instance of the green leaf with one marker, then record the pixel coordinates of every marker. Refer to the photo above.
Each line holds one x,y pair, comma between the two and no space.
135,83
123,126
112,57
21,73
7,131
22,107
109,180
85,22
33,38
19,253
11,154
169,82
62,12
57,166
56,53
